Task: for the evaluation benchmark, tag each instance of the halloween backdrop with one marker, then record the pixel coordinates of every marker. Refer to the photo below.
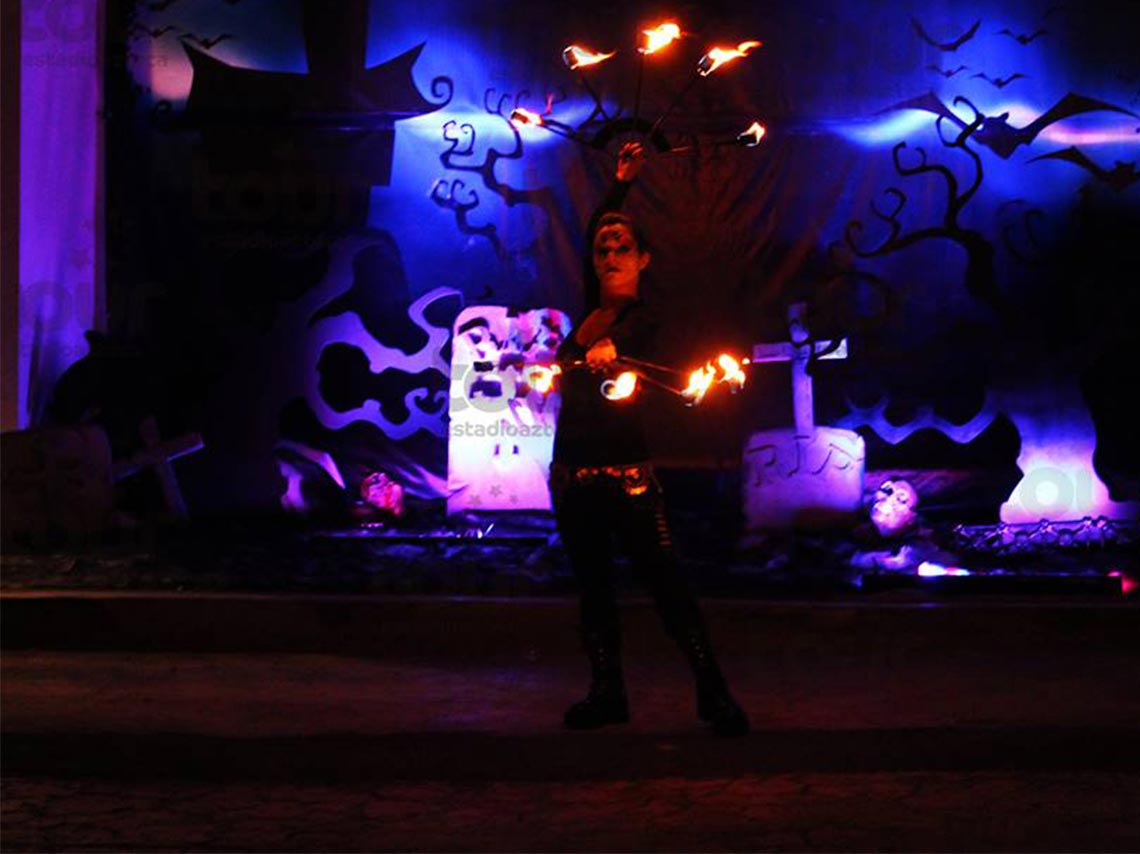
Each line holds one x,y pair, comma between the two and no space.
303,196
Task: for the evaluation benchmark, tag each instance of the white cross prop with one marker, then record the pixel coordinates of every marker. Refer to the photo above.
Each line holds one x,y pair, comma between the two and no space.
799,351
158,455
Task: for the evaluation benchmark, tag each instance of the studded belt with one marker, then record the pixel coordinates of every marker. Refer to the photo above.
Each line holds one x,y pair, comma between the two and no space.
633,479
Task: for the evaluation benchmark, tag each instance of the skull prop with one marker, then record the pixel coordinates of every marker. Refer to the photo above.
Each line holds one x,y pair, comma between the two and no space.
893,507
383,493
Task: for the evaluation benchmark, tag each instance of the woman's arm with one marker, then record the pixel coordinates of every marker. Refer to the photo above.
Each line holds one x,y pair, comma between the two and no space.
630,158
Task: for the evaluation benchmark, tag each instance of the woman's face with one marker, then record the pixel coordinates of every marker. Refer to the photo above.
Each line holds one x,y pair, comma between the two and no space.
617,261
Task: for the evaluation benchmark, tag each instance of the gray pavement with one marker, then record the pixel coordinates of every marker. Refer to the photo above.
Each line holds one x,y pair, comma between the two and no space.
346,723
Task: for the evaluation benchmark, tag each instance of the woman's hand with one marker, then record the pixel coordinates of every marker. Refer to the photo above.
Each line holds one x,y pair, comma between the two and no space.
601,354
630,158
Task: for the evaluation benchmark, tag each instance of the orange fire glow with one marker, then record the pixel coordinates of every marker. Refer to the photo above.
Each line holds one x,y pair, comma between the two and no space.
753,135
700,381
521,117
541,377
732,373
576,56
659,37
621,387
726,369
718,56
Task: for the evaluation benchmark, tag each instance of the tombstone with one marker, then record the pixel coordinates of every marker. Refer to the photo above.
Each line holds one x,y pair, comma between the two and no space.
501,434
807,476
57,483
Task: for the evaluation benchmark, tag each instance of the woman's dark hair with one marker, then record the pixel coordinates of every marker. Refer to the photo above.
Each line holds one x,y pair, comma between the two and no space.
593,288
615,218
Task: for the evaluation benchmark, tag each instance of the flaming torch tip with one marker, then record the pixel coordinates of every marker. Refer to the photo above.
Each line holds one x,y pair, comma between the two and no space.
521,117
541,377
575,57
725,369
621,387
659,37
718,56
751,137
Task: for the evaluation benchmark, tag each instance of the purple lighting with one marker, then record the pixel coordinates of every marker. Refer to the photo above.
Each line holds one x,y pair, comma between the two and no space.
1057,444
60,93
927,569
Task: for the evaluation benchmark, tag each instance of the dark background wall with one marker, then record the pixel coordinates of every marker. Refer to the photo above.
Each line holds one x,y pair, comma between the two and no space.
285,180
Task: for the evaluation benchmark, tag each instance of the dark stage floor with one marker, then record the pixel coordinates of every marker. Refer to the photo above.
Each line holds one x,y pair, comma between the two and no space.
305,722
284,687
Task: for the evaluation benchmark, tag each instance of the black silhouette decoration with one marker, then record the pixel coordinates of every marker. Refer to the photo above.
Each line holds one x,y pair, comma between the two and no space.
456,196
206,42
379,296
950,46
947,73
1023,38
1119,177
995,132
153,33
341,113
980,276
999,82
1019,235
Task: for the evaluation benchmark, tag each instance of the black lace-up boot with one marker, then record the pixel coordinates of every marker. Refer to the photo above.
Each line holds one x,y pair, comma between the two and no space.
606,701
715,704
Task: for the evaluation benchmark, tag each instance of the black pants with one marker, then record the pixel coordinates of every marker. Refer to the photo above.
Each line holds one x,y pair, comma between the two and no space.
597,509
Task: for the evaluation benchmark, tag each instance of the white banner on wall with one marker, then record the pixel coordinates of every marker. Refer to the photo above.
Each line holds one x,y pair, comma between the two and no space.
501,431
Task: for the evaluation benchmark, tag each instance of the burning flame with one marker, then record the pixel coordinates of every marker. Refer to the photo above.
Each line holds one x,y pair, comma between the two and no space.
718,56
733,375
575,56
753,135
726,370
521,117
660,36
700,381
620,388
541,377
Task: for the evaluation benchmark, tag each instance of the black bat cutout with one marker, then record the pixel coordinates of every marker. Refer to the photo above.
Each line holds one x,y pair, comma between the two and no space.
208,42
1021,37
156,33
1000,82
945,73
1119,177
947,47
995,132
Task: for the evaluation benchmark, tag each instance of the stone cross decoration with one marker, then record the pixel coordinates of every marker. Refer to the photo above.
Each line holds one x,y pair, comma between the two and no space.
799,351
807,476
158,456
